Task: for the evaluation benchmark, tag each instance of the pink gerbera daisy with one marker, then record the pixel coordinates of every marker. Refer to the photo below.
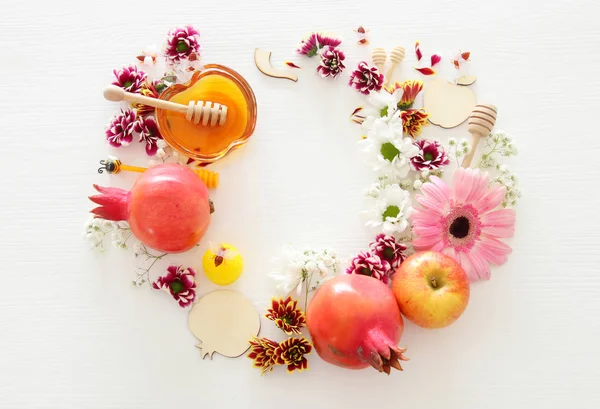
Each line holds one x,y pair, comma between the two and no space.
464,222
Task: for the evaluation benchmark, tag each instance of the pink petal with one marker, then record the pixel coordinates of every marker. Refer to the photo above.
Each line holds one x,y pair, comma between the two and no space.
493,250
423,231
425,243
447,192
435,58
425,219
461,184
465,262
481,266
499,223
480,186
490,200
438,246
435,193
429,203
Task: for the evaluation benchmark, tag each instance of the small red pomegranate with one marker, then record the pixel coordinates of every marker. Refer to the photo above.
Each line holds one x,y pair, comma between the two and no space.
354,322
167,208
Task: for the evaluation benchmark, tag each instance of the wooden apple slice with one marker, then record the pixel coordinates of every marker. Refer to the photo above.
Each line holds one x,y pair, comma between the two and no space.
262,59
448,105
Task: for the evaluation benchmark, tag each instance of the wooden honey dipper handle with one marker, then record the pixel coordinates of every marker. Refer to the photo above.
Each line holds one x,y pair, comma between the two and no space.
116,94
481,122
205,112
396,56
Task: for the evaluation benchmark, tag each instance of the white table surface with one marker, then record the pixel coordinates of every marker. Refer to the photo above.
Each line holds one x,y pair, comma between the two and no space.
74,333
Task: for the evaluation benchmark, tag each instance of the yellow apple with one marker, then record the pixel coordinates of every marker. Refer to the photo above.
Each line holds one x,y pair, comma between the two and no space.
432,289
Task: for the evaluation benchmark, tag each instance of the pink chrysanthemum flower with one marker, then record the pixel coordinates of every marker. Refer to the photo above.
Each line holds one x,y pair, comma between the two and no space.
119,131
181,43
129,78
431,155
149,133
387,248
311,45
463,221
179,283
369,264
365,79
331,62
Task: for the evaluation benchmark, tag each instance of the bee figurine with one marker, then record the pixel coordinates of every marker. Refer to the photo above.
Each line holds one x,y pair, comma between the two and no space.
222,263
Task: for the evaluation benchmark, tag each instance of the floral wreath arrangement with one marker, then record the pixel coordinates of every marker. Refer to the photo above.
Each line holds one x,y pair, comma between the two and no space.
438,216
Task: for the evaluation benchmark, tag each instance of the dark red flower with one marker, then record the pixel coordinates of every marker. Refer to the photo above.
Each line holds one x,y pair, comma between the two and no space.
291,352
179,283
331,62
129,78
149,133
388,249
181,43
262,352
431,155
287,315
366,79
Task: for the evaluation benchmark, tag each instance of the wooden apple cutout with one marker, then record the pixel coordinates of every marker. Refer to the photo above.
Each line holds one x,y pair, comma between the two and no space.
448,105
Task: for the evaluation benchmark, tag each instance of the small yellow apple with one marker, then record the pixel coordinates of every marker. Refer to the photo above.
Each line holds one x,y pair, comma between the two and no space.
222,264
432,289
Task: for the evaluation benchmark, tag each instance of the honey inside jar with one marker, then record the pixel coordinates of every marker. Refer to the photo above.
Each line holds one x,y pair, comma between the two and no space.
205,143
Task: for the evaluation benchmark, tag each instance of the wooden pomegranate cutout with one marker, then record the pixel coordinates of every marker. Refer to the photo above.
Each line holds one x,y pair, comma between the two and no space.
224,321
448,105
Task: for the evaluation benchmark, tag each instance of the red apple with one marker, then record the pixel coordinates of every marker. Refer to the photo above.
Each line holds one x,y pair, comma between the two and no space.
432,289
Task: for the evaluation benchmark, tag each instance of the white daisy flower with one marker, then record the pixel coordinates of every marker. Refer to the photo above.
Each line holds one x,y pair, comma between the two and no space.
383,104
391,210
386,150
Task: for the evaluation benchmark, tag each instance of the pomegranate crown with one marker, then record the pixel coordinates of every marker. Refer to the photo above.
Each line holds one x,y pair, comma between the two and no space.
113,203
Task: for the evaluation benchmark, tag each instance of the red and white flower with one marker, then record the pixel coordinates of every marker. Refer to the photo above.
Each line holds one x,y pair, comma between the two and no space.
129,78
119,132
147,128
332,63
179,283
181,43
366,79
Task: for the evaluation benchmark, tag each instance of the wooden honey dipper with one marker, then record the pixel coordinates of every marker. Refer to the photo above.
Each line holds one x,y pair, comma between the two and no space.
113,165
396,56
481,122
195,112
379,57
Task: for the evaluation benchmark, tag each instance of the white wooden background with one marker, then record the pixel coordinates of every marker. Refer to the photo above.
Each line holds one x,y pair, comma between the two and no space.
74,333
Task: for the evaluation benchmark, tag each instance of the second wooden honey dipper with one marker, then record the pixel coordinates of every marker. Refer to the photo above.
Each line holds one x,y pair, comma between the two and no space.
481,122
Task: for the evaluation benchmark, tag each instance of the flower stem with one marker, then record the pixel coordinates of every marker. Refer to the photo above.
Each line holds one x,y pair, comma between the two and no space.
308,280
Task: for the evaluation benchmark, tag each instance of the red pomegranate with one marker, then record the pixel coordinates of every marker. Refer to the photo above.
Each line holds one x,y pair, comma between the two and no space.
354,322
167,208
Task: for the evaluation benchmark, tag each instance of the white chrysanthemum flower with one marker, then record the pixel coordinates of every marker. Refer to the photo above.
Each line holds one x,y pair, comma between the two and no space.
391,210
387,151
383,104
